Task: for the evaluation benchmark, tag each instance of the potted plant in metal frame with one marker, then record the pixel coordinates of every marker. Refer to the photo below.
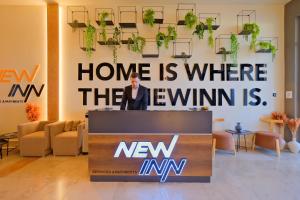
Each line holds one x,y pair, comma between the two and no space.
190,20
266,47
209,23
234,48
251,29
89,38
199,30
166,38
114,43
136,43
148,17
102,21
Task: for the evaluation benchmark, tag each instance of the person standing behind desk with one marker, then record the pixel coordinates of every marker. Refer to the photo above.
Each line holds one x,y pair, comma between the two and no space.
135,95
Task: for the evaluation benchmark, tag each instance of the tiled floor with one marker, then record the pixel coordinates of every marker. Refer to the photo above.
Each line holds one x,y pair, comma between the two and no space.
249,175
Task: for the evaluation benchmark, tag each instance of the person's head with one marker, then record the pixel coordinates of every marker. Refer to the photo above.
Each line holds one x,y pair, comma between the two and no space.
135,80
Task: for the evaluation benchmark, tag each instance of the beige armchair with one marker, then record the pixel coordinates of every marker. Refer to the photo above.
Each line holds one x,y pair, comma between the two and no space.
34,138
64,139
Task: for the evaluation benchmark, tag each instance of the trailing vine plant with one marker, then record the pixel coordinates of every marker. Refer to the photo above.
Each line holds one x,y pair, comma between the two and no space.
163,38
114,43
199,30
190,20
136,43
234,48
102,17
89,38
209,23
149,17
160,37
269,47
254,30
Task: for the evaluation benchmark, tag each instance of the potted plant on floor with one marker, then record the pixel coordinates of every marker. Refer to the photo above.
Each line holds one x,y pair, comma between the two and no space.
149,17
293,125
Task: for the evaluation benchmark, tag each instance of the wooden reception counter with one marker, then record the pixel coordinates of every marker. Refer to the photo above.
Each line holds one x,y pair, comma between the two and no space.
165,146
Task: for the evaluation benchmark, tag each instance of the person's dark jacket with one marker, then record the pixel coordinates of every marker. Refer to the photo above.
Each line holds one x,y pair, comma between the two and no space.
141,101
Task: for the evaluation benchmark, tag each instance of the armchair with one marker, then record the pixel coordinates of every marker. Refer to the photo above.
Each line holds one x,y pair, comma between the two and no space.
34,138
66,139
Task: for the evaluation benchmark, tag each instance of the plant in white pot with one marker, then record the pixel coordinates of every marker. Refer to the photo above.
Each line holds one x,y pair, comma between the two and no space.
293,125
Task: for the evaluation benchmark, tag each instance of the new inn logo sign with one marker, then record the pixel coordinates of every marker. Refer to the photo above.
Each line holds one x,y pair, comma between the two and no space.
20,83
149,153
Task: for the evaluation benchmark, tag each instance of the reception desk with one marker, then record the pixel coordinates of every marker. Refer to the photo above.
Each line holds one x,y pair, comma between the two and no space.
140,146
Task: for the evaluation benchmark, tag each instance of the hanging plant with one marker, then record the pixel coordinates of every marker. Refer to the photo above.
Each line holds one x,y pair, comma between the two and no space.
254,30
160,37
209,23
149,17
199,30
190,20
268,46
102,17
89,37
172,34
114,43
136,43
234,48
223,51
163,38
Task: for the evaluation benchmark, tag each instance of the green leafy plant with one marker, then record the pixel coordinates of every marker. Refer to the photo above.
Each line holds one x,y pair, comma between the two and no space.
160,37
149,17
224,52
190,20
102,17
114,43
172,34
268,46
163,38
136,43
89,38
209,23
254,30
199,30
234,48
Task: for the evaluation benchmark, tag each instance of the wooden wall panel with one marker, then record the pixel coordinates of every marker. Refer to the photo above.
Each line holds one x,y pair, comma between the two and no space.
53,61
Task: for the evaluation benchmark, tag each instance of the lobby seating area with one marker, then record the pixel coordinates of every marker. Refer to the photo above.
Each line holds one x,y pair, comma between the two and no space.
40,138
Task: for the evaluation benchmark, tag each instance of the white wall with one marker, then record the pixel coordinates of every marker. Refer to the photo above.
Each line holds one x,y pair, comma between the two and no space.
23,39
270,18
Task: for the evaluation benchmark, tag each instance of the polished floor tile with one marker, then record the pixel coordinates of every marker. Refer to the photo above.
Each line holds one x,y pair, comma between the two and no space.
250,175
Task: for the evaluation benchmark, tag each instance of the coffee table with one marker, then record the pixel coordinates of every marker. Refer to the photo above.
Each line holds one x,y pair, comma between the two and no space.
239,133
3,142
7,137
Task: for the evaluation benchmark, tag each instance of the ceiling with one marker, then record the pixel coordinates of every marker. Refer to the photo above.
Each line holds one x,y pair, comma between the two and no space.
87,2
